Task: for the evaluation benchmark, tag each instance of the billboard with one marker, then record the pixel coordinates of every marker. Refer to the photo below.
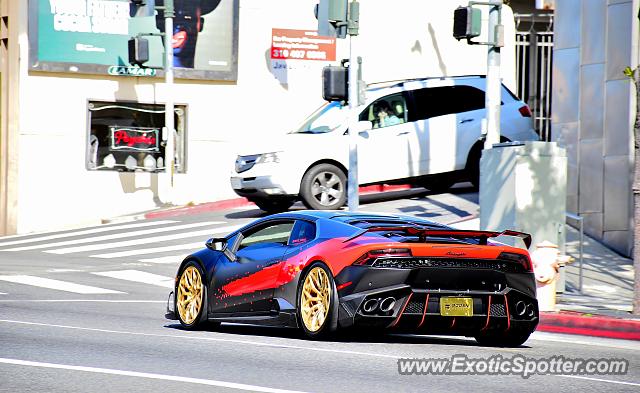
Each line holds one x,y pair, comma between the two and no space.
90,36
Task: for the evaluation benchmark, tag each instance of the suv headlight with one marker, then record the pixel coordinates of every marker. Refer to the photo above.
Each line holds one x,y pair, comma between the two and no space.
244,163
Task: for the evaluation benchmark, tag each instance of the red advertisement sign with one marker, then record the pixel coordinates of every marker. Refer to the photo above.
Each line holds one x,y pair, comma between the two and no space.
134,139
288,44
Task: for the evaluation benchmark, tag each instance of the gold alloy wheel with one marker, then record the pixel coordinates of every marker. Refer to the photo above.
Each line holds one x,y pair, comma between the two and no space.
315,299
189,298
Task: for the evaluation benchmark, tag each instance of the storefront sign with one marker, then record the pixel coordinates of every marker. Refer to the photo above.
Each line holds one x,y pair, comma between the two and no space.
131,71
90,36
135,139
289,44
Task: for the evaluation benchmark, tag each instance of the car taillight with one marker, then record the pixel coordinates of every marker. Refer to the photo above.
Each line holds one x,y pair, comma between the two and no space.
525,111
372,255
523,260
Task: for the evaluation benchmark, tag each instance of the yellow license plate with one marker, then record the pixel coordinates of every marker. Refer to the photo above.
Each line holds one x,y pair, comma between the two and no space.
456,306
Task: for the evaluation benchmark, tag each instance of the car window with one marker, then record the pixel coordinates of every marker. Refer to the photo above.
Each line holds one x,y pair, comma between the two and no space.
445,100
303,232
326,119
273,233
387,111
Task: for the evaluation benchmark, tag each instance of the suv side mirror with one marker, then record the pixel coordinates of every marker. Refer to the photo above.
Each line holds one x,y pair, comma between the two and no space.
216,244
361,126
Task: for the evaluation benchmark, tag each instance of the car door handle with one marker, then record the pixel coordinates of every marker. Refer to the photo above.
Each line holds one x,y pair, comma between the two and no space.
403,133
465,121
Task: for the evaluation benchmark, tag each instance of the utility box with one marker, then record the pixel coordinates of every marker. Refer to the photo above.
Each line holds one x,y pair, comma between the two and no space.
523,186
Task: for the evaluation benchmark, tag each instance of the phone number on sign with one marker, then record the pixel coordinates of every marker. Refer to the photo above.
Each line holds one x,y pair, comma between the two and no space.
300,54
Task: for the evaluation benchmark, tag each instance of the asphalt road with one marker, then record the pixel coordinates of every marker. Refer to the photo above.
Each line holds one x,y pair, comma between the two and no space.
83,310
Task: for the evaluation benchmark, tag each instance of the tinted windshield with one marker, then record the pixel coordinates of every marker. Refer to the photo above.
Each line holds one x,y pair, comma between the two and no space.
326,119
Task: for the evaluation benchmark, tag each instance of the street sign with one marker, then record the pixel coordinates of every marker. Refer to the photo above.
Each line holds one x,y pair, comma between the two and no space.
131,71
289,44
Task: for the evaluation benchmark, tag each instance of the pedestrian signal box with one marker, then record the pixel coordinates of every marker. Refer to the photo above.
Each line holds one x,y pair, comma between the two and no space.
466,22
138,51
335,83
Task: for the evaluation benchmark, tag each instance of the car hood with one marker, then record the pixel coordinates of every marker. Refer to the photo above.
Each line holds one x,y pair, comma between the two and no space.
286,143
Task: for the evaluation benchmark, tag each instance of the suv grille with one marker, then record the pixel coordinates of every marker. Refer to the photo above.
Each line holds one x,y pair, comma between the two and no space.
456,263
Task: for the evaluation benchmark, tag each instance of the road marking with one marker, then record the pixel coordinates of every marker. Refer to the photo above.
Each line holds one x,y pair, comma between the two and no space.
599,380
64,270
153,250
166,259
608,289
84,232
137,242
173,378
140,276
57,285
116,236
79,301
262,344
213,339
2,293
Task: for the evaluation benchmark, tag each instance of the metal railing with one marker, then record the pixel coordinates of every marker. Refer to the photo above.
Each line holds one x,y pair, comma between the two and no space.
581,225
534,60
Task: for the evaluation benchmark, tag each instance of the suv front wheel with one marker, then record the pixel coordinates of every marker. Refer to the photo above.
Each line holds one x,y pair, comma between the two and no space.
324,187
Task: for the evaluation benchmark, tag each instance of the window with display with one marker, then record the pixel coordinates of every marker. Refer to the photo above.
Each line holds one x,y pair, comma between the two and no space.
129,137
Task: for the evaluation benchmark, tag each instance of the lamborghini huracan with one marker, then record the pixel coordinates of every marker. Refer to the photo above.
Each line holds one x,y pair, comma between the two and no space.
324,270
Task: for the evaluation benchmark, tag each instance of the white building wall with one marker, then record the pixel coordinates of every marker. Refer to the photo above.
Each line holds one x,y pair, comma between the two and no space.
400,39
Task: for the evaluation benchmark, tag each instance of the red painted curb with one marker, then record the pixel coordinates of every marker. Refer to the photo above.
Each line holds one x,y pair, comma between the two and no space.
240,202
599,326
200,208
382,188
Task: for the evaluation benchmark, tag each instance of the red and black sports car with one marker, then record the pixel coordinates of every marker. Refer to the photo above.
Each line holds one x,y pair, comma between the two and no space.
321,270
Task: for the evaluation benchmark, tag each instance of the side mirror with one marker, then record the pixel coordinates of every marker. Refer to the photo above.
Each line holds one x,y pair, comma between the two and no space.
360,127
216,244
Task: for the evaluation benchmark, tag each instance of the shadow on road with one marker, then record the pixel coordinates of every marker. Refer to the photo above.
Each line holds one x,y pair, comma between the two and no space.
345,336
463,190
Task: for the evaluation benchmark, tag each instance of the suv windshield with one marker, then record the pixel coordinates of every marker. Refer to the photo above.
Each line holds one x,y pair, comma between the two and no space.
326,119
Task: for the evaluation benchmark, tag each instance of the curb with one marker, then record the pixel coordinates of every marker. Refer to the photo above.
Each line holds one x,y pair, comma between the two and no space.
241,202
200,208
589,325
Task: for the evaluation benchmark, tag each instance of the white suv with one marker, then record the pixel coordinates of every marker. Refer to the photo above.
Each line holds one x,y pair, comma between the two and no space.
425,132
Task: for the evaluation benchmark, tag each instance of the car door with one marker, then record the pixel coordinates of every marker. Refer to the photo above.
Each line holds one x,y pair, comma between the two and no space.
382,150
245,283
447,120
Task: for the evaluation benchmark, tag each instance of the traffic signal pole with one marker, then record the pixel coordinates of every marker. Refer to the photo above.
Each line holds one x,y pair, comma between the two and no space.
493,96
339,18
169,147
353,199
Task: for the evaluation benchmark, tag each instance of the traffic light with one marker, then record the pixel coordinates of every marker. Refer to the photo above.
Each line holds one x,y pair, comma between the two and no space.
466,22
332,18
335,83
141,8
138,51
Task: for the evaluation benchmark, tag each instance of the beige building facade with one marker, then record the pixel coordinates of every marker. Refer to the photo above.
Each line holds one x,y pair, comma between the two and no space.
54,172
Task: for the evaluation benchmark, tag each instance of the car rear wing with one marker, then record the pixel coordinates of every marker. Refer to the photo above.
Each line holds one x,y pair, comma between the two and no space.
482,236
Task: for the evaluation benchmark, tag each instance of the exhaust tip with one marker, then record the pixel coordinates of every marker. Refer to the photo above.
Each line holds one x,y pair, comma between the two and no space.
387,304
521,308
531,310
370,305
